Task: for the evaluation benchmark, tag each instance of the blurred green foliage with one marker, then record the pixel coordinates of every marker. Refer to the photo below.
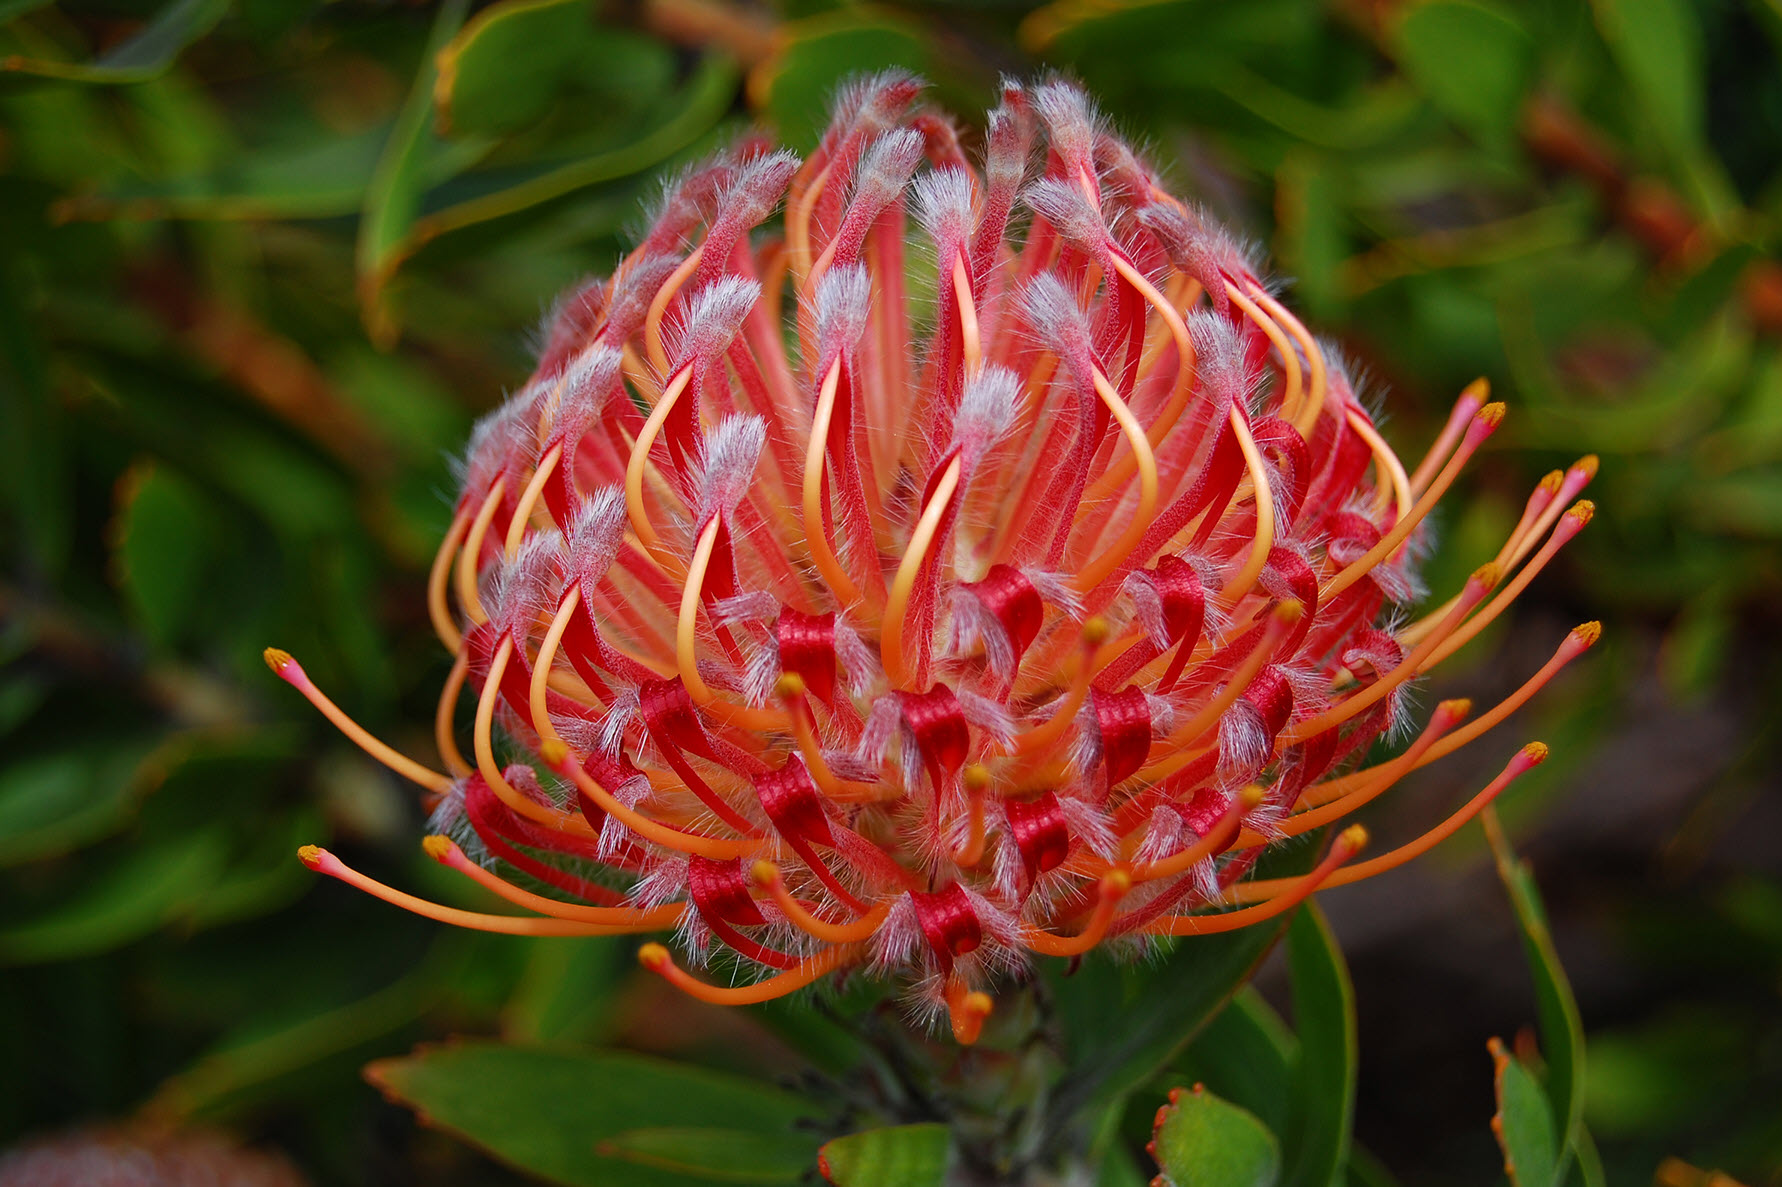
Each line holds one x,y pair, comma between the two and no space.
262,263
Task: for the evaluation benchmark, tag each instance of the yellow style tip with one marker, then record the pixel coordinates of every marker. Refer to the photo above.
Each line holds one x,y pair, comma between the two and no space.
553,751
975,777
1491,415
1457,709
1353,838
438,847
1251,797
1096,631
1479,389
789,687
1535,753
1588,633
764,872
1583,511
276,659
1487,575
1587,465
311,855
653,956
1116,882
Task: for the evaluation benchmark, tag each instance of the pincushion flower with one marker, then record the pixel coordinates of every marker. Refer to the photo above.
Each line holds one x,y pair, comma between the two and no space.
932,599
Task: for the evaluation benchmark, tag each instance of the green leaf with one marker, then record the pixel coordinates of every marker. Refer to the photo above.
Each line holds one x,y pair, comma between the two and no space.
33,467
394,199
58,802
1658,45
1122,1024
720,1155
575,1119
822,52
142,57
1524,1123
1247,1055
896,1156
1562,1030
320,177
1202,1141
163,541
1472,59
492,193
146,890
1324,1019
502,69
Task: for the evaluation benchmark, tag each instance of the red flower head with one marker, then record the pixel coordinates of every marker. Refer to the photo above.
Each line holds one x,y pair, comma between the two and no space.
928,600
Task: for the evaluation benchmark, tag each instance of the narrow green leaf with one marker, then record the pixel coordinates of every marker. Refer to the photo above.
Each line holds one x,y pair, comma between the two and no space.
1472,59
565,1117
143,892
162,540
502,68
394,199
717,1155
1562,1030
1524,1123
1203,1141
321,178
1324,1019
58,802
896,1156
492,193
142,57
1122,1024
824,51
1658,45
1247,1055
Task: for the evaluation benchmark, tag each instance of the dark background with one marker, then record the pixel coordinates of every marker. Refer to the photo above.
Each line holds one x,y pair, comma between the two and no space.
257,278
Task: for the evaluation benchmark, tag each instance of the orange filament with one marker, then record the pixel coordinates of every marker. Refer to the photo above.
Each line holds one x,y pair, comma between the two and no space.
766,875
1280,622
790,689
1573,523
971,345
537,701
1283,348
1580,640
891,636
443,734
291,672
1447,715
640,454
446,852
1265,513
1171,412
1039,739
324,862
438,576
657,959
1526,759
1472,398
1287,894
1217,839
473,546
822,555
659,308
1142,515
1477,586
1483,423
1389,472
485,754
516,527
1114,886
563,760
975,779
1318,381
967,1010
